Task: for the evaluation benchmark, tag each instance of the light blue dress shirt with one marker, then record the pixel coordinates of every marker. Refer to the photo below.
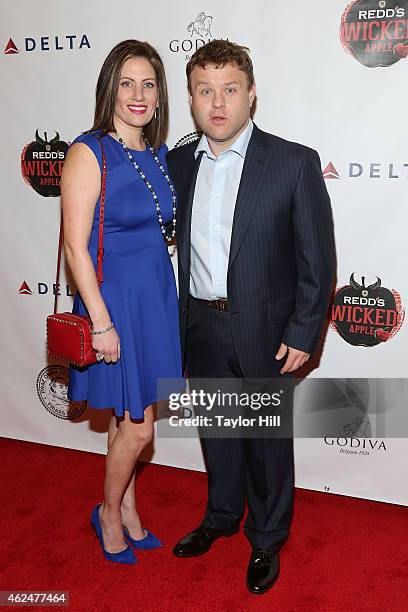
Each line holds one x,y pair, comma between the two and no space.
212,215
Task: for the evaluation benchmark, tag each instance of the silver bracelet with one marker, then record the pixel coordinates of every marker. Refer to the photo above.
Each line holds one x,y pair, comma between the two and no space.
96,332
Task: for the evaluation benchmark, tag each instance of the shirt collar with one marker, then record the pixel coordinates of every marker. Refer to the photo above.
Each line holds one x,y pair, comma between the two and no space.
239,146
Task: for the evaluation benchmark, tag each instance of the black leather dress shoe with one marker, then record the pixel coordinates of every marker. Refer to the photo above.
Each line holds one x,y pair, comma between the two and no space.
263,570
200,540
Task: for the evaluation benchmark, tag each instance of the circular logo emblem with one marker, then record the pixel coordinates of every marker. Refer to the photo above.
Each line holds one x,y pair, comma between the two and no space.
52,387
366,315
375,32
192,137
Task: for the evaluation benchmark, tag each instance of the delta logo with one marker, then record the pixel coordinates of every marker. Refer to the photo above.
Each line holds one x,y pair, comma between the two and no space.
11,48
366,315
330,172
375,33
65,42
25,289
370,170
44,289
41,164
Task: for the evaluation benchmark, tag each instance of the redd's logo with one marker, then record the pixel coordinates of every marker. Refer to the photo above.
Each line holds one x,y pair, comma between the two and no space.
366,316
375,33
41,164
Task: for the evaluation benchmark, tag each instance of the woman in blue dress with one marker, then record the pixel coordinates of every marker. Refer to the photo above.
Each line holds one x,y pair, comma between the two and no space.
134,311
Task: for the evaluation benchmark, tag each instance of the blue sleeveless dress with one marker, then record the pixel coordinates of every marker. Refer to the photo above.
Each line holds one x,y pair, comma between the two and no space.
138,286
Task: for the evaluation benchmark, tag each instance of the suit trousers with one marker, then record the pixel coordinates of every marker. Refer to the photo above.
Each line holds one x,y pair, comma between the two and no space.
256,470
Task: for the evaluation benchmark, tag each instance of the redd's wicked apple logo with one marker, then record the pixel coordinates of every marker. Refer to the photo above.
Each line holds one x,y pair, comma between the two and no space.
375,33
366,316
41,164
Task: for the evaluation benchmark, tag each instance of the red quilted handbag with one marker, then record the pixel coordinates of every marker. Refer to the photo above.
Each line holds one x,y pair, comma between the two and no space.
69,335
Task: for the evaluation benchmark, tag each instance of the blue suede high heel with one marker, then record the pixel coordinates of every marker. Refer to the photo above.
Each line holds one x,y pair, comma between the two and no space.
147,543
124,556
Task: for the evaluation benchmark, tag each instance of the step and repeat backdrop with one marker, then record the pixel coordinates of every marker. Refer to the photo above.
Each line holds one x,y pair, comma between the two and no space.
331,75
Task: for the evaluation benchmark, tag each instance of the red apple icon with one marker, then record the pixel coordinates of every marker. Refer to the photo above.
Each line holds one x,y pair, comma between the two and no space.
382,334
401,49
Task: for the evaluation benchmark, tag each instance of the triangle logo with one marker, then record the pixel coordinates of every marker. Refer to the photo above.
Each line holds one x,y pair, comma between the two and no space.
330,172
11,48
25,289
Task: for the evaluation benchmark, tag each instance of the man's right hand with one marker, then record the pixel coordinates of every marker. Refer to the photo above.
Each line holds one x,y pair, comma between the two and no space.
295,359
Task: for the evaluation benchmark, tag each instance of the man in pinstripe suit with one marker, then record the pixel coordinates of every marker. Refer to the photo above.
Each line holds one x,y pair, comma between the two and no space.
256,268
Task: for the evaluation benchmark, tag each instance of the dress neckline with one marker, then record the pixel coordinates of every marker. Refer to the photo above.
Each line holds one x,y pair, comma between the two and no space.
133,150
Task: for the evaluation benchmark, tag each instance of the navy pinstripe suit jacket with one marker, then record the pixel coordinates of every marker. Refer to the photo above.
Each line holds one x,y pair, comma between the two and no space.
282,255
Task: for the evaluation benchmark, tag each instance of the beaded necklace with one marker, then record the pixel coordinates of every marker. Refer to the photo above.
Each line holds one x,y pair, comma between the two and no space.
166,236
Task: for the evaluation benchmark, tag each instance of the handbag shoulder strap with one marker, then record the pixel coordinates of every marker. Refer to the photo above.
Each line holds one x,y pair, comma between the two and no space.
99,273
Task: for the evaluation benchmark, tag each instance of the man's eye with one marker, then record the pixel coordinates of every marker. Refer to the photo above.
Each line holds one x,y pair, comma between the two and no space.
205,92
230,89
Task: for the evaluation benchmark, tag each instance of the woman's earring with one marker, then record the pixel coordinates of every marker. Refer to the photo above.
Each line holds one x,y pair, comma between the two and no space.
156,112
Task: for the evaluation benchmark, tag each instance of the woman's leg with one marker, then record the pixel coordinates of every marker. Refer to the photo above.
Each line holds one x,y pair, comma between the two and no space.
130,515
130,439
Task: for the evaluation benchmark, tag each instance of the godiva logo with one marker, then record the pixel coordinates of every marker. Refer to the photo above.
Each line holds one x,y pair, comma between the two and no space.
198,32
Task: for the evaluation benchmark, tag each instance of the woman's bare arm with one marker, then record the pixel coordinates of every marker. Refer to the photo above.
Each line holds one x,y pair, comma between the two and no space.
80,189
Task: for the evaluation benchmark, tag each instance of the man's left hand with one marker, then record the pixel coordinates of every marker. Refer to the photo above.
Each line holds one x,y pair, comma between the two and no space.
295,358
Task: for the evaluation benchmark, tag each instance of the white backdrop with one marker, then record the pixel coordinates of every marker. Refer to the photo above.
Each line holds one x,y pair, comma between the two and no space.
309,89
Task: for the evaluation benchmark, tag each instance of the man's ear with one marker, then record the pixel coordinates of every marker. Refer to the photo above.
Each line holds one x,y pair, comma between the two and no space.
252,95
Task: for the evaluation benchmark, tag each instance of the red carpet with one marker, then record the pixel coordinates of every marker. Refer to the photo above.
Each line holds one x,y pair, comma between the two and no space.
344,554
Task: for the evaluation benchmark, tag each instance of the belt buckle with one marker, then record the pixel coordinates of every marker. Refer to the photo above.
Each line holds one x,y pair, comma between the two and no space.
222,305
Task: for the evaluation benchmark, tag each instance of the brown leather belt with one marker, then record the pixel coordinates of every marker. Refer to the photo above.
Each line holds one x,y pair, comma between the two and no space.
221,304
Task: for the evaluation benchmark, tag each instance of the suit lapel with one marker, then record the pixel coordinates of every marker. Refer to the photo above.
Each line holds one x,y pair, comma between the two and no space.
190,171
256,162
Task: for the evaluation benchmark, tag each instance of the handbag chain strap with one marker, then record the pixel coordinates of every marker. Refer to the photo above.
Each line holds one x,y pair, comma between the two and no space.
99,273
